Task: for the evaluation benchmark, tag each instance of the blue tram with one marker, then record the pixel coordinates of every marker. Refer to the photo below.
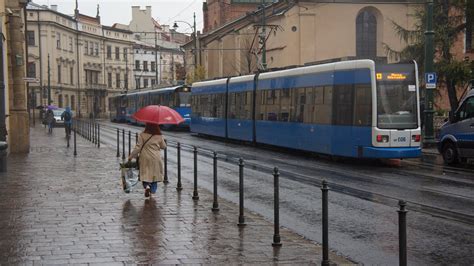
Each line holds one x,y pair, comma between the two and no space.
352,109
123,106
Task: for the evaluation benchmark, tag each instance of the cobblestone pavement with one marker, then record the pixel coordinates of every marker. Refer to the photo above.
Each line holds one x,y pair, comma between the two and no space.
58,209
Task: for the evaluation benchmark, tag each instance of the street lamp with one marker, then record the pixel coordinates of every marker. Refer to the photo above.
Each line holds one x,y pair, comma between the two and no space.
428,139
175,26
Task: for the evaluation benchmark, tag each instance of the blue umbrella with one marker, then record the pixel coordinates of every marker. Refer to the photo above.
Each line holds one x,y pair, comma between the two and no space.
52,107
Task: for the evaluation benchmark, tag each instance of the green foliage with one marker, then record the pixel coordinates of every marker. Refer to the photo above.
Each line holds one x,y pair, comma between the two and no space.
180,71
448,24
198,75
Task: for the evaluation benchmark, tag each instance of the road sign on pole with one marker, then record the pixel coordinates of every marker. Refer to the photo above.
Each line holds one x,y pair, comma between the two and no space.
430,79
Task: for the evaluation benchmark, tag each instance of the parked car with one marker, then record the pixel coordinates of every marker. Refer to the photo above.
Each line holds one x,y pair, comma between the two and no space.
456,139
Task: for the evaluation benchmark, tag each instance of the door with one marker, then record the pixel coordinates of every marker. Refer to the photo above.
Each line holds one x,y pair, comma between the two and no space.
465,128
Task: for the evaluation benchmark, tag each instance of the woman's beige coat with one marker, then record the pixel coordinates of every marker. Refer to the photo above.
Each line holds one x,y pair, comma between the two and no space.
151,164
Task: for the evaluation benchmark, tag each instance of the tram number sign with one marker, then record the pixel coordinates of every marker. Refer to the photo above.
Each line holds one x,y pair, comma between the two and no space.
400,139
431,79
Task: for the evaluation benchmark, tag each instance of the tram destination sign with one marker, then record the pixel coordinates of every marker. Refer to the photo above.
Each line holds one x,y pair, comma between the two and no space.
404,73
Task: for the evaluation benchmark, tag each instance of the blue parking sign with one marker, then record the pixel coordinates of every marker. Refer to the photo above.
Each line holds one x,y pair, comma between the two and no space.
430,79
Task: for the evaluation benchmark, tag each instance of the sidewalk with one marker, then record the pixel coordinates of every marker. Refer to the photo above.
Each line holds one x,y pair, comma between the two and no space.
58,209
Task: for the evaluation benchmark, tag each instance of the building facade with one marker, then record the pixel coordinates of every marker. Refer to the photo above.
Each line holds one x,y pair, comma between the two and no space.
304,32
219,12
145,70
157,44
71,59
14,127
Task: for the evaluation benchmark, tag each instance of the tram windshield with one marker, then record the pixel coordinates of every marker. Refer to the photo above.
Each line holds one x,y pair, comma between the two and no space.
396,96
184,99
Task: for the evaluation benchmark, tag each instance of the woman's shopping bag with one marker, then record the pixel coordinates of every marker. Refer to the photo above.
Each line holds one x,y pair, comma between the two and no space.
128,176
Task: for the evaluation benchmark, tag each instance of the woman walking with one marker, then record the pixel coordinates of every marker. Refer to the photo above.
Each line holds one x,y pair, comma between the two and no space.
148,147
50,120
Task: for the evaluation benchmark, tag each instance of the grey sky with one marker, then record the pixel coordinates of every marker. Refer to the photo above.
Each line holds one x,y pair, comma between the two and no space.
120,11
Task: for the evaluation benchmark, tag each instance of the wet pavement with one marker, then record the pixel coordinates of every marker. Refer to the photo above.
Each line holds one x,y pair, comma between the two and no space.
363,197
59,209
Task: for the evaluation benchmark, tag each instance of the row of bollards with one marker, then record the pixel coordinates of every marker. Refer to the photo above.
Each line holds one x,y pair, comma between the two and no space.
276,174
89,130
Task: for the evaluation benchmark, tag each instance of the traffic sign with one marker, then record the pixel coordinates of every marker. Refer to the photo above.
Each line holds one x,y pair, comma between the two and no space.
31,79
430,79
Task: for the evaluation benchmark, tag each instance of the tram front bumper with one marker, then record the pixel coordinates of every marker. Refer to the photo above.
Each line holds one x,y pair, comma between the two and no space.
391,153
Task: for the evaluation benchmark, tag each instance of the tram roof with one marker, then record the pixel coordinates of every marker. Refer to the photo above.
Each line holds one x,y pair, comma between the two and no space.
210,83
154,90
352,64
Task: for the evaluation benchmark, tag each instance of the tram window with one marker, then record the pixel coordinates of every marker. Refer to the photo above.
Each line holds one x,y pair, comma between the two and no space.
363,105
343,105
238,105
323,109
221,105
232,106
285,105
248,105
318,95
298,103
274,108
259,107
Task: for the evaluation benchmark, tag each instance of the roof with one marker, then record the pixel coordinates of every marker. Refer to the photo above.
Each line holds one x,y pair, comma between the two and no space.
116,29
88,18
34,6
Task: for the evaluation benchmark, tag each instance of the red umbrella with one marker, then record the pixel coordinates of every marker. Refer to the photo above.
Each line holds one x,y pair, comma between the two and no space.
158,114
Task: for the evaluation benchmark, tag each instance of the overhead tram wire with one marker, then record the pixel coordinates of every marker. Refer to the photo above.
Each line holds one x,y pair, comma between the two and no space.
180,12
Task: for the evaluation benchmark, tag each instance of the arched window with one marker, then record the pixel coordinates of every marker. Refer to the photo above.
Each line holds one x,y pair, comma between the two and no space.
73,102
366,35
66,98
60,101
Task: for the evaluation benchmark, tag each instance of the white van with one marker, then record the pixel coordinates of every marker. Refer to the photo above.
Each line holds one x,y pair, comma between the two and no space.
456,139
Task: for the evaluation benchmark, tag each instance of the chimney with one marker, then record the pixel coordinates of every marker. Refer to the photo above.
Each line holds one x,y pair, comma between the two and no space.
54,7
148,11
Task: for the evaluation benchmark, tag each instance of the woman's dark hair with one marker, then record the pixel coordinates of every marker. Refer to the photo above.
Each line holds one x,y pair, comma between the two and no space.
152,129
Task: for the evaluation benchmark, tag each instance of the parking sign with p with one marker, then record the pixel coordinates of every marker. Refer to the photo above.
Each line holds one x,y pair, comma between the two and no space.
430,79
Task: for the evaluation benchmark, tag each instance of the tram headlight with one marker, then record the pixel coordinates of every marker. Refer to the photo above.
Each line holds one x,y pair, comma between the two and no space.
383,138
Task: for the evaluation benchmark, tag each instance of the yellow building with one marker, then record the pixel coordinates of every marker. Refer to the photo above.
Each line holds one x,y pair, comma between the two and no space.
87,61
303,32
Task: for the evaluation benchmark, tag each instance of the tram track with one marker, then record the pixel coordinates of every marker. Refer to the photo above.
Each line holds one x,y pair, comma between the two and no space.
109,133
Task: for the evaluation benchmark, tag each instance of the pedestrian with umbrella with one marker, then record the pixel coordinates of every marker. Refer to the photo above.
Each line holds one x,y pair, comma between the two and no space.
50,119
150,142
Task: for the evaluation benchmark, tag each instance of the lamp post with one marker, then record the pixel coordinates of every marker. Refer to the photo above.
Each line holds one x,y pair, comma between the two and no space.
428,138
175,26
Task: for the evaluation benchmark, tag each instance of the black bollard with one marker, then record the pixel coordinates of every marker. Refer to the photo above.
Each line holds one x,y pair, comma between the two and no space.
75,142
94,133
165,179
98,135
67,140
276,212
118,143
179,187
123,144
215,204
241,193
195,192
129,142
325,189
402,233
